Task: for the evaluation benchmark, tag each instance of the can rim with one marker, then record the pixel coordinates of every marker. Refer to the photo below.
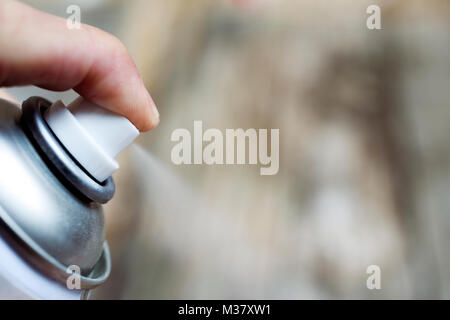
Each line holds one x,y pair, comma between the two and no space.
64,166
35,255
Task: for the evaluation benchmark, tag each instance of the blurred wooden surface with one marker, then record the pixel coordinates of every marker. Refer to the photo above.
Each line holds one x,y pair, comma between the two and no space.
364,157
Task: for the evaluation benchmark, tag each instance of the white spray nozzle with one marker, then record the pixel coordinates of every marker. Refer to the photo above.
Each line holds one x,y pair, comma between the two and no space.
92,135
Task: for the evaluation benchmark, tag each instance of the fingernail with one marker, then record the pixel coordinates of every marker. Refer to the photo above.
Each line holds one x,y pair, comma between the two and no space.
154,109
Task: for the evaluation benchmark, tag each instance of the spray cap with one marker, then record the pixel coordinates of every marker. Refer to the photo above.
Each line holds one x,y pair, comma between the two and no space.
93,135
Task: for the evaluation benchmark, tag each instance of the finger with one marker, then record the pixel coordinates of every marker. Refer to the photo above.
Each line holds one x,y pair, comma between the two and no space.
39,49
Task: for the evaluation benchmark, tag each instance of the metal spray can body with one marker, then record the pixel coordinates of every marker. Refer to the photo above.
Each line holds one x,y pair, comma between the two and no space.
49,226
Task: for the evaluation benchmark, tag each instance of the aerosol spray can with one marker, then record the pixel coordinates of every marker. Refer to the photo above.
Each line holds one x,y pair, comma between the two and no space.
55,173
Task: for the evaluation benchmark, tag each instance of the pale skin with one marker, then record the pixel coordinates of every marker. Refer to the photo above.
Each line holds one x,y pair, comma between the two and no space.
38,49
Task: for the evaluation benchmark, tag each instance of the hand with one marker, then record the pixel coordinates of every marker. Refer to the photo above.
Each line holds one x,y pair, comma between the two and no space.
38,49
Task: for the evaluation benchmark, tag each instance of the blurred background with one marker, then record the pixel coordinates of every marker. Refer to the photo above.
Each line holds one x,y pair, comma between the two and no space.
364,173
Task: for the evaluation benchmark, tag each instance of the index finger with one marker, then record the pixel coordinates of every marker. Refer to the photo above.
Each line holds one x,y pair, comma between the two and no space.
38,49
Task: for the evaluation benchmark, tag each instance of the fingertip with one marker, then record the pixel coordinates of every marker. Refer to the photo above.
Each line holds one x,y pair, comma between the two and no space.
150,117
154,113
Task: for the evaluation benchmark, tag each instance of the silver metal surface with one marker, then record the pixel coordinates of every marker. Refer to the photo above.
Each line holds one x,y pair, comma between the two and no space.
38,207
19,280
